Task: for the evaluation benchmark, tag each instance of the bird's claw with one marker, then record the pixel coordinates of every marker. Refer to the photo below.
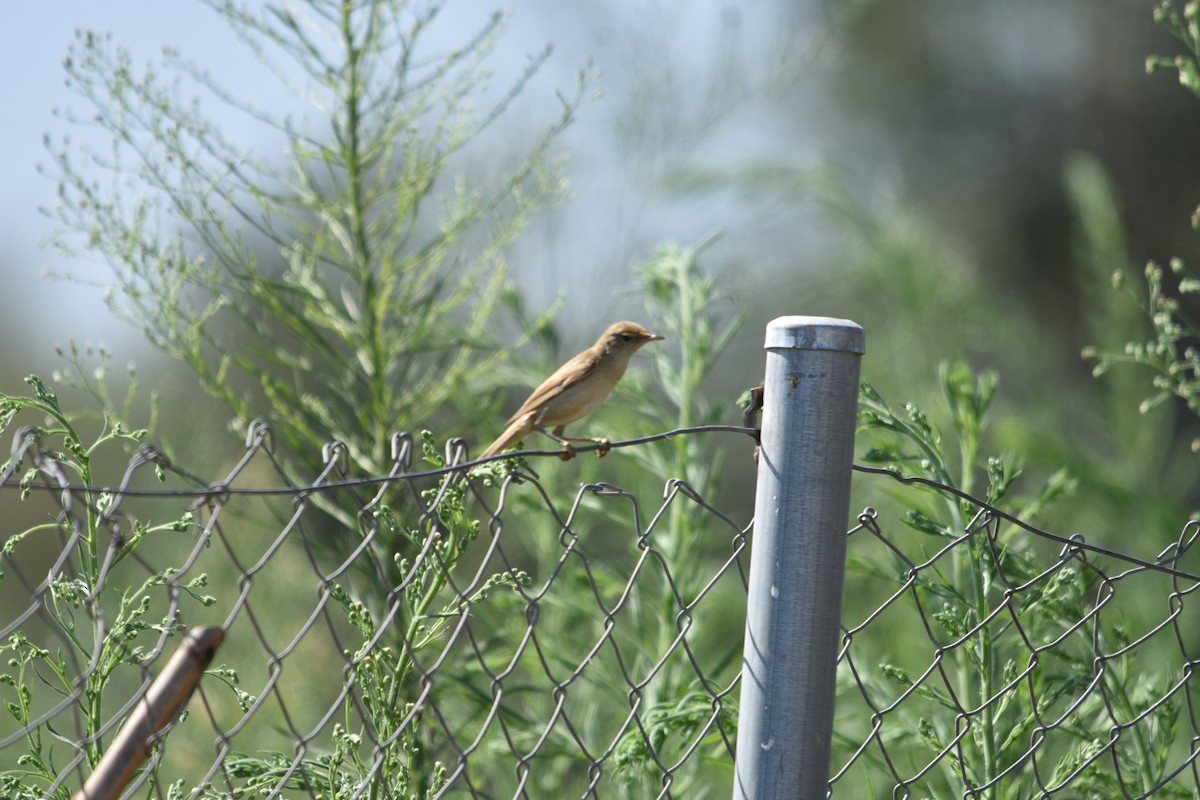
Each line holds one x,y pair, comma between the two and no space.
567,453
605,446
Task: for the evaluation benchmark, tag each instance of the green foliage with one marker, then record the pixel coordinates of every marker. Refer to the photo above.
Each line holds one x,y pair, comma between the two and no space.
1100,244
990,606
348,292
1169,352
629,554
1185,26
108,633
686,306
111,628
354,291
391,637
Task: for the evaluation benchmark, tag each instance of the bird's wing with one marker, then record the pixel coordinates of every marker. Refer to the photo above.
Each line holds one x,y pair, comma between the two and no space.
570,373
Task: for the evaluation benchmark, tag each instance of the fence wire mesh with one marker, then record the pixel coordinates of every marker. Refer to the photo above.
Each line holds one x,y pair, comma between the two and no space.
422,635
379,641
995,659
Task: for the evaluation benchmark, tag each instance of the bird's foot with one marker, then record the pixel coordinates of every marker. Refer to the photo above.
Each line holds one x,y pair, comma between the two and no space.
605,446
567,453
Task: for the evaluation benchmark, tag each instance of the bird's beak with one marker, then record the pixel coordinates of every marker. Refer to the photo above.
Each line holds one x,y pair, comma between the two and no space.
654,337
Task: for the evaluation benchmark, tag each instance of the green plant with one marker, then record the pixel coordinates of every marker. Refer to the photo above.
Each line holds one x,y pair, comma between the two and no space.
350,291
647,569
692,310
92,635
384,745
1003,628
1170,352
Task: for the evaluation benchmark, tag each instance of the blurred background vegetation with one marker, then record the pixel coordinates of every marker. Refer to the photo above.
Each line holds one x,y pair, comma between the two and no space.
962,180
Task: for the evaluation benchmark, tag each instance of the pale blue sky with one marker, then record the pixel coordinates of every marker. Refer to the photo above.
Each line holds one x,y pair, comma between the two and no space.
35,39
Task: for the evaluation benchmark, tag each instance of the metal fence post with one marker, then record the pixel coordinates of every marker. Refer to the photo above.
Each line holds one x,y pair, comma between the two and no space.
801,510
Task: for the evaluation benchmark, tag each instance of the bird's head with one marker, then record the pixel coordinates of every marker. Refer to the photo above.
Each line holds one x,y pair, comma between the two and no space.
625,338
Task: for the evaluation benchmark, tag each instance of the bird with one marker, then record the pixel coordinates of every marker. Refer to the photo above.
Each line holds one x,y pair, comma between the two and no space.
576,389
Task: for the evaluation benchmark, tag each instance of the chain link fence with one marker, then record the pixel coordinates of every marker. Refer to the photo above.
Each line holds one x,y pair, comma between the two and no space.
456,638
430,633
1001,660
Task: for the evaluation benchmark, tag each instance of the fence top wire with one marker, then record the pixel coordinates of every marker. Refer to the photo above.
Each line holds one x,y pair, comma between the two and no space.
1164,562
259,438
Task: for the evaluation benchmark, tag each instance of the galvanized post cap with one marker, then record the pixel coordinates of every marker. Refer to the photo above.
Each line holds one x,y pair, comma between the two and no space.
815,333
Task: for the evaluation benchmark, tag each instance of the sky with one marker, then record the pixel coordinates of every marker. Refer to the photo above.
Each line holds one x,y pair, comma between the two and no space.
35,41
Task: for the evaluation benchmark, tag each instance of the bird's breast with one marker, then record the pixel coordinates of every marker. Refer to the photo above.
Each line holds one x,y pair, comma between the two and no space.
579,400
573,404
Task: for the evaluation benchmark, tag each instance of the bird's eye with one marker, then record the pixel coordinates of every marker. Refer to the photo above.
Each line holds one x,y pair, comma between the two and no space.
625,337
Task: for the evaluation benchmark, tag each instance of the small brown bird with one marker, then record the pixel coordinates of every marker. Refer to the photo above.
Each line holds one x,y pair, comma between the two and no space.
576,389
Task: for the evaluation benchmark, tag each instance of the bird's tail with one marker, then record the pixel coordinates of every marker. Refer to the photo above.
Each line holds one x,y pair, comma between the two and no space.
514,433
